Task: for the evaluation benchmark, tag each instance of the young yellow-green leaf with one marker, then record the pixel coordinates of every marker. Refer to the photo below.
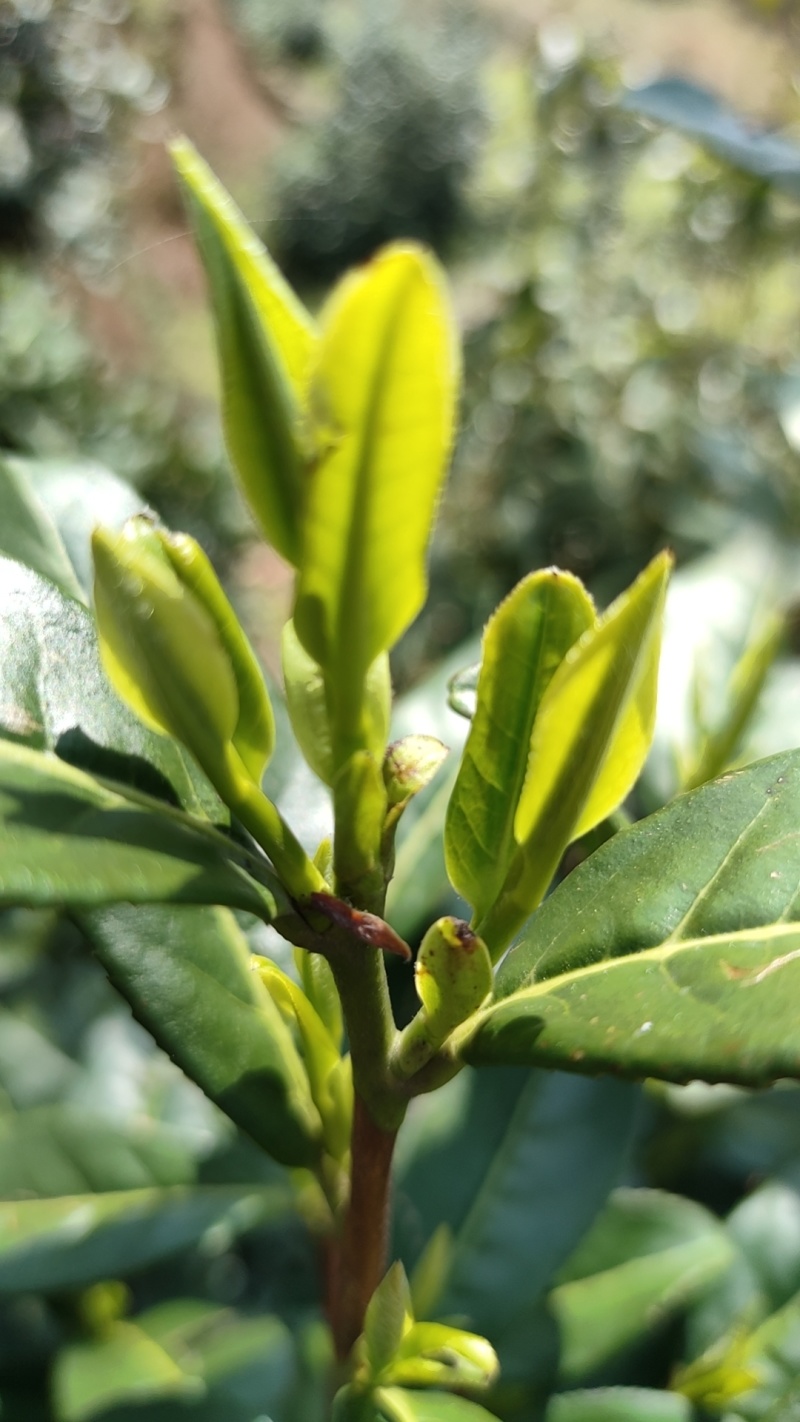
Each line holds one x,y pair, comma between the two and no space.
266,342
254,737
383,394
121,1366
330,1082
308,708
589,742
453,976
400,1404
524,643
387,1319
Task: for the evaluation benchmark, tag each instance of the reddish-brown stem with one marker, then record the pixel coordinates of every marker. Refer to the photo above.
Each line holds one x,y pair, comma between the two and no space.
361,1256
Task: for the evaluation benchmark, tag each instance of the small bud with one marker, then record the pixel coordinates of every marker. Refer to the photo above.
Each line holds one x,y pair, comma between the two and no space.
410,765
453,977
173,648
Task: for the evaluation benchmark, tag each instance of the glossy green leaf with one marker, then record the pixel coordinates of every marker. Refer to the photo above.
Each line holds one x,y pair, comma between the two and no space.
384,398
52,1245
78,494
67,840
186,974
588,745
647,1254
28,534
524,643
266,343
397,1404
124,1365
63,1149
673,951
54,695
619,1404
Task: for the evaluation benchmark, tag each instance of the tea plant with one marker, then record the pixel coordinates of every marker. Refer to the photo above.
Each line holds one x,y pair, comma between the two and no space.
671,952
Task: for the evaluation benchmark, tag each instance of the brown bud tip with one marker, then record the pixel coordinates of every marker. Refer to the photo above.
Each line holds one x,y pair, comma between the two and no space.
367,927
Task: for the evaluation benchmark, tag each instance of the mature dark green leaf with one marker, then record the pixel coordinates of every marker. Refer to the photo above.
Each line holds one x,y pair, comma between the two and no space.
185,973
673,951
647,1254
51,1245
54,695
696,111
517,1165
560,1155
68,840
65,1150
619,1404
28,534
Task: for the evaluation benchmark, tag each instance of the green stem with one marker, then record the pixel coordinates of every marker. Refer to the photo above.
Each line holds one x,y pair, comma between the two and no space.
265,823
360,978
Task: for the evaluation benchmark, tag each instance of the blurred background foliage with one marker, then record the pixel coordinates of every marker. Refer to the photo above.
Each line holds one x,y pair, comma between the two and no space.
625,274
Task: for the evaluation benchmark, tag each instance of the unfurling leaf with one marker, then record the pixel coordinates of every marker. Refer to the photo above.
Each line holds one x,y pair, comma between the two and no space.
383,398
453,976
525,642
266,342
589,741
173,647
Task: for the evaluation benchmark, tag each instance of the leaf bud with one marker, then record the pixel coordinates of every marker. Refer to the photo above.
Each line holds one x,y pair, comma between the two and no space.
173,648
410,765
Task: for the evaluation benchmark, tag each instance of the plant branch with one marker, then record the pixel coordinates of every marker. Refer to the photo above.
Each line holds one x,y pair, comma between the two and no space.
361,1258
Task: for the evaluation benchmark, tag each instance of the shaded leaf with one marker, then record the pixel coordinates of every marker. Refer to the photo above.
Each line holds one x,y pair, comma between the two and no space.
186,974
647,1254
64,1150
54,695
517,1165
619,1404
673,951
67,840
52,1245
